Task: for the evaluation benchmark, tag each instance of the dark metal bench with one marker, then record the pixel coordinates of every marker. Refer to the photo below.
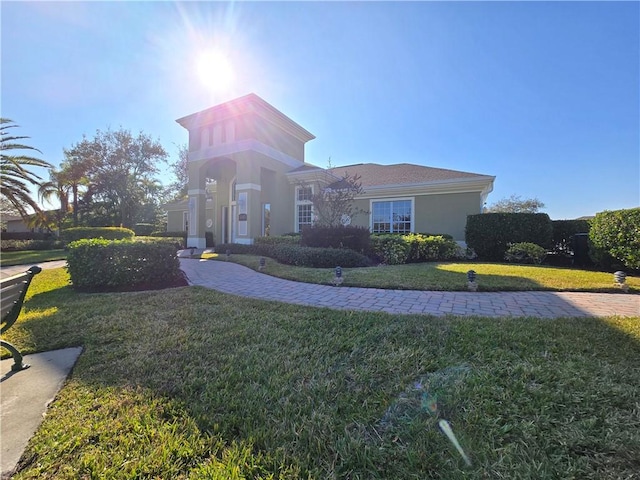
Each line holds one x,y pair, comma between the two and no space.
12,293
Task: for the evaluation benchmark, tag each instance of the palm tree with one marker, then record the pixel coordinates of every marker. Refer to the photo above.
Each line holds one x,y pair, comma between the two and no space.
73,173
14,177
56,187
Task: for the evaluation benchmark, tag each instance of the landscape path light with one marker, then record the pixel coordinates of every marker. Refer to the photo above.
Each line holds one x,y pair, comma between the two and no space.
263,263
472,285
337,280
620,278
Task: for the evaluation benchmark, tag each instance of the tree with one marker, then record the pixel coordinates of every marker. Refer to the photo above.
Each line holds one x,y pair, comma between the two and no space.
119,170
178,190
73,174
15,178
514,204
58,188
333,200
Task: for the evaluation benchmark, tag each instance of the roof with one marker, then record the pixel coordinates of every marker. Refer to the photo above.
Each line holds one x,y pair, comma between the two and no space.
373,174
250,103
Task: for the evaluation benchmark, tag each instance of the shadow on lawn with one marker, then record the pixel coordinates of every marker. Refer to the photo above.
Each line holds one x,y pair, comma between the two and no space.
192,378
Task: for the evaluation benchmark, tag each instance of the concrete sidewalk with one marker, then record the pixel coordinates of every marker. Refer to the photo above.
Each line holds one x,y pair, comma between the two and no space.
236,279
24,397
16,269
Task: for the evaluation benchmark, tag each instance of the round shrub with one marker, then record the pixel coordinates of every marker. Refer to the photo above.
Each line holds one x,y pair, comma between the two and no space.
525,252
390,249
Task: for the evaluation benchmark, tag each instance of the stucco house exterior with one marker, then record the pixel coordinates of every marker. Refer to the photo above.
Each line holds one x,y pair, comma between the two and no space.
248,178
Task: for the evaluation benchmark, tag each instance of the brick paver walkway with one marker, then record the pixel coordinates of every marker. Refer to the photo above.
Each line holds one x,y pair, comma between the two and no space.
238,280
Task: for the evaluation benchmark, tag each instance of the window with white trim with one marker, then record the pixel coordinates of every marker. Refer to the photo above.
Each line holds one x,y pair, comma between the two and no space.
391,216
185,221
304,207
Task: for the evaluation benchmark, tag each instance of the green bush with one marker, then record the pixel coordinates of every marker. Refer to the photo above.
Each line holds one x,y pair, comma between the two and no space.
181,234
390,249
563,230
108,233
175,242
429,248
394,249
99,263
489,234
617,233
321,236
525,252
238,248
143,229
319,257
21,245
28,236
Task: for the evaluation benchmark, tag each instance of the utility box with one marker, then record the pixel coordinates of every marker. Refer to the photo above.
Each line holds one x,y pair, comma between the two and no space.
580,247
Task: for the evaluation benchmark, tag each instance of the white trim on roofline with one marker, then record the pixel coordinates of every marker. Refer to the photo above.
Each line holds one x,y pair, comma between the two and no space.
248,186
243,146
318,174
484,185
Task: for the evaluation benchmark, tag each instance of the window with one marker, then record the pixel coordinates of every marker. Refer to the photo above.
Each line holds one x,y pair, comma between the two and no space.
304,194
304,207
305,216
393,216
185,221
266,219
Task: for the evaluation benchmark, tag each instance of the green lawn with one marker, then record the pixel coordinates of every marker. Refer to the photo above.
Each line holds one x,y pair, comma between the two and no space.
30,257
192,383
447,276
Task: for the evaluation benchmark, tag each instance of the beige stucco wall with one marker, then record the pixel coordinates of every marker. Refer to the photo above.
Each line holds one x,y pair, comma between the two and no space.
441,213
446,213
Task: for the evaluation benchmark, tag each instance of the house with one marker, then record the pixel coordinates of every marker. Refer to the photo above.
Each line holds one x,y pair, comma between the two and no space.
248,178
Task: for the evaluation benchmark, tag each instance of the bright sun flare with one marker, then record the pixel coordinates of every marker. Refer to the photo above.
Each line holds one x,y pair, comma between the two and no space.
215,71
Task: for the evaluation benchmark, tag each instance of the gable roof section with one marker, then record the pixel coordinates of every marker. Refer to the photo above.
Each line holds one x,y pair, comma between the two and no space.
250,103
406,178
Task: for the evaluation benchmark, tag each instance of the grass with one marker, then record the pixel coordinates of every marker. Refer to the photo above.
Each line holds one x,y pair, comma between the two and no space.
31,257
192,383
447,276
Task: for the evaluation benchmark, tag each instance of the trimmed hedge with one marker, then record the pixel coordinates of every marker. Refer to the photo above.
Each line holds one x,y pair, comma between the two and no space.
108,233
182,234
412,248
617,233
143,229
389,249
489,234
429,248
239,249
318,257
276,240
21,245
28,236
98,263
320,236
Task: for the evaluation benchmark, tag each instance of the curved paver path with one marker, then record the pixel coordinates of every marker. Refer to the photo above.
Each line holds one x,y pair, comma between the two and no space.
239,280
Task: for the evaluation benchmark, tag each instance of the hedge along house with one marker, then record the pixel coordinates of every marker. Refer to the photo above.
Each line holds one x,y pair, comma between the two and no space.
248,178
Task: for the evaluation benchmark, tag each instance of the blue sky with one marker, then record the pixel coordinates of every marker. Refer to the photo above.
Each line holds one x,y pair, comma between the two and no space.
543,95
